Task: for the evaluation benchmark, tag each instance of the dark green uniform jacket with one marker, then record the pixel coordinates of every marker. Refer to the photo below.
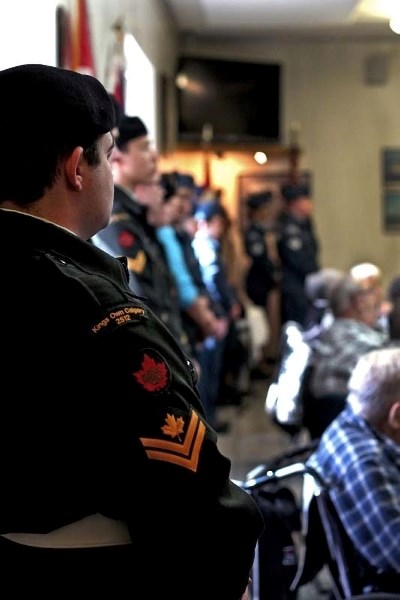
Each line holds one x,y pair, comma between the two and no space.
129,234
100,414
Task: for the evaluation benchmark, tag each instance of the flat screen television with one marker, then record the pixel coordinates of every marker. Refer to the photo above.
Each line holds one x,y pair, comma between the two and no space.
227,102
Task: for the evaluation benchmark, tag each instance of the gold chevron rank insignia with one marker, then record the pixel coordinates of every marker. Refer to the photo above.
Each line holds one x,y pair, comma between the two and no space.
138,263
185,451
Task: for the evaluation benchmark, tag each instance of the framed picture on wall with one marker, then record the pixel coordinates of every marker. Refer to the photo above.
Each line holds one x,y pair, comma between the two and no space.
391,165
391,189
391,209
251,183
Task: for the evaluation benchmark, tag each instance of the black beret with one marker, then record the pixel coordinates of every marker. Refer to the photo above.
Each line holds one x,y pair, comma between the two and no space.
258,199
291,191
129,129
53,103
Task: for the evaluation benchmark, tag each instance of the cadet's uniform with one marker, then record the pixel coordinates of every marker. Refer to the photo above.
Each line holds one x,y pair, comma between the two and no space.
298,252
129,234
262,275
103,421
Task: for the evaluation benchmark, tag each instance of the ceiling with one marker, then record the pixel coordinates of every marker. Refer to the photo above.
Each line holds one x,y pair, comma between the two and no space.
304,18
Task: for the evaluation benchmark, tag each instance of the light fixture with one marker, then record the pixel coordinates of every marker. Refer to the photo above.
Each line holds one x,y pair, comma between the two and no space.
394,23
260,158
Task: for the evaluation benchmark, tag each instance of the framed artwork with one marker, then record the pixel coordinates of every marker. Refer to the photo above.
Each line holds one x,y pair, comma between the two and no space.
250,183
391,189
391,165
391,209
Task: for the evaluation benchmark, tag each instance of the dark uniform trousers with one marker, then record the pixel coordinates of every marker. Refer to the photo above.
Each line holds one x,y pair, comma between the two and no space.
100,415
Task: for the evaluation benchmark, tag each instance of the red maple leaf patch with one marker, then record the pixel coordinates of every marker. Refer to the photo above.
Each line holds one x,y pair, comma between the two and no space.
153,375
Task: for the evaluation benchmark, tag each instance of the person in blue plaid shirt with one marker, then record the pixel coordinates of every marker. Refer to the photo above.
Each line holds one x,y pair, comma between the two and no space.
359,458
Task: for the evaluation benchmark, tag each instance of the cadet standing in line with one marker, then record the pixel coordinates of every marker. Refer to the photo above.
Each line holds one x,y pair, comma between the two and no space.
264,274
129,233
298,251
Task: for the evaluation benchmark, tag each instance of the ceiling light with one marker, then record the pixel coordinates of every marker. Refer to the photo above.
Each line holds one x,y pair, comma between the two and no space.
260,158
394,24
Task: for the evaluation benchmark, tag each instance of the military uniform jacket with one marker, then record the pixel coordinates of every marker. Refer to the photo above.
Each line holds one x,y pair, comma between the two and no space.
101,414
129,234
262,275
298,251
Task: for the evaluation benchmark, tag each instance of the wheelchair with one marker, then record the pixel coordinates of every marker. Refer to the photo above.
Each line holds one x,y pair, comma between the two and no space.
323,541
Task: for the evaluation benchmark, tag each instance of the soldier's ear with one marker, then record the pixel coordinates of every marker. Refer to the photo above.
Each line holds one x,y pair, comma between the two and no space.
73,168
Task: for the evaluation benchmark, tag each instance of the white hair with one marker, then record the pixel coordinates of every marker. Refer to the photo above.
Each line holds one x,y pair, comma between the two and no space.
375,383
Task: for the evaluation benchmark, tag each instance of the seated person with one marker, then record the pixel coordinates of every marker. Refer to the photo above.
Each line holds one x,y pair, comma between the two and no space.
358,456
318,286
337,349
369,276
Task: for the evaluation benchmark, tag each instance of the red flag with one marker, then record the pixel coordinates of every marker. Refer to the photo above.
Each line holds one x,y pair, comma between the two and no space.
206,169
81,55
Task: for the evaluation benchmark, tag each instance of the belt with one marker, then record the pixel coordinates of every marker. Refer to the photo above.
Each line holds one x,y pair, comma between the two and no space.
90,532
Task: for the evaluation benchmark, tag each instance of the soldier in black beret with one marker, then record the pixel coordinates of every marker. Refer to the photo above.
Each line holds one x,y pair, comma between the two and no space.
130,128
130,232
298,250
263,273
111,476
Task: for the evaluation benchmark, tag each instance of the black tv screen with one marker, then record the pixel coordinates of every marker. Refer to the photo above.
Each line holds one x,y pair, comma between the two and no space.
228,102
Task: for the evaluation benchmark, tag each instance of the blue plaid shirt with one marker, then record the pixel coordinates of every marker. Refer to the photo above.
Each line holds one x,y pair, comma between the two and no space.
362,470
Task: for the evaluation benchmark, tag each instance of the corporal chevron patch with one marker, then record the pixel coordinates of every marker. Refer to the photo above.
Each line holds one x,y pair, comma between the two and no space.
138,263
186,451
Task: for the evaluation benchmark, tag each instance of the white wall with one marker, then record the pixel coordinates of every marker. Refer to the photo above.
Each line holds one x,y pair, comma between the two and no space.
344,126
148,22
27,32
145,19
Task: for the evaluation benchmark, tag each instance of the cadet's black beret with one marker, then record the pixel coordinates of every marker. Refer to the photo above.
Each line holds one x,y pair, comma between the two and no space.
258,199
129,129
291,191
53,103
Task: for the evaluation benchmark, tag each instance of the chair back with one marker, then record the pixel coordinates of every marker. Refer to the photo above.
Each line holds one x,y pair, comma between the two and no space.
325,542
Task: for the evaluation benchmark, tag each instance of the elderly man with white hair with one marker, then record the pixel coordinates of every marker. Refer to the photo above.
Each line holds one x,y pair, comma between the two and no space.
358,456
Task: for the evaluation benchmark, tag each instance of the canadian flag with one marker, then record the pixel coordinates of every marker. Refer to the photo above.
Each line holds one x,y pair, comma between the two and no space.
81,43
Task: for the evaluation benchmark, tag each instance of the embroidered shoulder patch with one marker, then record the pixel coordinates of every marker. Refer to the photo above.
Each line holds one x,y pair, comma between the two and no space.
126,239
138,263
152,372
117,317
180,442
